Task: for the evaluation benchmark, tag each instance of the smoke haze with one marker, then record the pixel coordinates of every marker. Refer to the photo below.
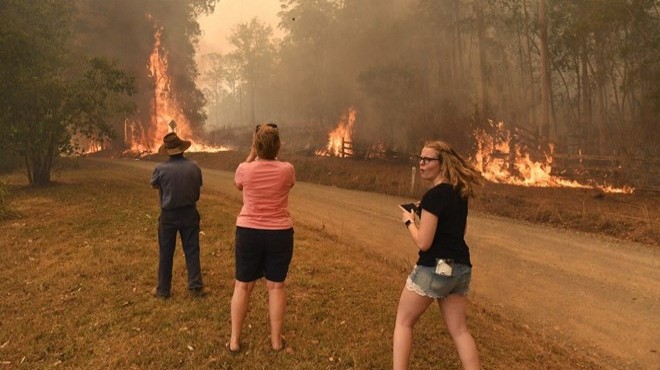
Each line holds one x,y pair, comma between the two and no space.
573,74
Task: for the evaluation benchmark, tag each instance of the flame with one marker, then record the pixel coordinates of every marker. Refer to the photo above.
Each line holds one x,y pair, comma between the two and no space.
84,145
340,139
93,147
165,110
502,162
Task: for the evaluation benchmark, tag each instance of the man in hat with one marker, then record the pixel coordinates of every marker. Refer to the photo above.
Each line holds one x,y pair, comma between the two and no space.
179,181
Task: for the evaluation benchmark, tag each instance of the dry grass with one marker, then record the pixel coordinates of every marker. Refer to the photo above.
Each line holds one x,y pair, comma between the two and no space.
79,265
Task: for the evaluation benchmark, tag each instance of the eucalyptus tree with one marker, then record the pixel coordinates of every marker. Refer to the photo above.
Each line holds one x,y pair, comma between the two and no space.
255,54
606,53
224,89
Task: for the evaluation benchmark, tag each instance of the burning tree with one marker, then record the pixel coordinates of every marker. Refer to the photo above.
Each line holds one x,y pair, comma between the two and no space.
154,40
55,93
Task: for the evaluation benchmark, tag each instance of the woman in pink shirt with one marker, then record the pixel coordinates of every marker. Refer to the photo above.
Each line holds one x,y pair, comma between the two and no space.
264,233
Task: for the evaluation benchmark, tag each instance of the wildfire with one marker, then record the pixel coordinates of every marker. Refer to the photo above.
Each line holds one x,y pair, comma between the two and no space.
84,145
500,161
340,139
165,111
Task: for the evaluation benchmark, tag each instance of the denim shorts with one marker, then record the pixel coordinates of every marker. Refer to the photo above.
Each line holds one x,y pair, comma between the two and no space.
424,281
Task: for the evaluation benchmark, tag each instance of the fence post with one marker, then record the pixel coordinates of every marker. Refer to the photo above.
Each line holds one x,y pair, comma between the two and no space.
342,147
412,180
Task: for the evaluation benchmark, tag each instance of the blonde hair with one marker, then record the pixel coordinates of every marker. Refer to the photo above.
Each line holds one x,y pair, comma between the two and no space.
266,142
455,170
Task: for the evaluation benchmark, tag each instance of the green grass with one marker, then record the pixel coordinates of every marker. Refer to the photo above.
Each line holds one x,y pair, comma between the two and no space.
79,266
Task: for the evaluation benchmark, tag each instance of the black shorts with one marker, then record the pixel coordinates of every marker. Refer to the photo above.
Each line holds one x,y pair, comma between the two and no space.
263,253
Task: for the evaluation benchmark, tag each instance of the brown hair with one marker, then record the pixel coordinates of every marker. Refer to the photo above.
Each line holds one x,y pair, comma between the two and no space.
266,142
455,170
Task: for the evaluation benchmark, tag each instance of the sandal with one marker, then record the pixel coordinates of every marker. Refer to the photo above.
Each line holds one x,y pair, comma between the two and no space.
232,352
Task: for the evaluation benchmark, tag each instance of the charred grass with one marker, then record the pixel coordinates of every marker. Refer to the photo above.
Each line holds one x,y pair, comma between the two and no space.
79,265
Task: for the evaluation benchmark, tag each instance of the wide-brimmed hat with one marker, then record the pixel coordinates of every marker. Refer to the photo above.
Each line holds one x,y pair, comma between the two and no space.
173,145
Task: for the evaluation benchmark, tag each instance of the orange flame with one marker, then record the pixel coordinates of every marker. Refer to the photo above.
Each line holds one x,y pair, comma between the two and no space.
88,145
165,110
339,139
501,162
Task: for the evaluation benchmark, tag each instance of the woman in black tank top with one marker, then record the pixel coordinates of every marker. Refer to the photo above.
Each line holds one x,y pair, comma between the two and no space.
443,270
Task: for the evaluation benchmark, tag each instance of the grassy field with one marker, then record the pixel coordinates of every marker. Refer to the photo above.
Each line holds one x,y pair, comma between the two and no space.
81,260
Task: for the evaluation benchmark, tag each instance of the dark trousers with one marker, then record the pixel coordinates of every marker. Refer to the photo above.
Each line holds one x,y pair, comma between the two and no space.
186,222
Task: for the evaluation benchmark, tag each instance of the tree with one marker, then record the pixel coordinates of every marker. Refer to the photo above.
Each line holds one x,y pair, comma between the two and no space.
256,54
223,80
55,94
546,87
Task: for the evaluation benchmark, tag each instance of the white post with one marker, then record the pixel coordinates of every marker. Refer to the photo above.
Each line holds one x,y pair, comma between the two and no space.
412,180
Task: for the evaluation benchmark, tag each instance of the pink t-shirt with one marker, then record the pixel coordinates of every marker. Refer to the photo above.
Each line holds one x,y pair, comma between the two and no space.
266,186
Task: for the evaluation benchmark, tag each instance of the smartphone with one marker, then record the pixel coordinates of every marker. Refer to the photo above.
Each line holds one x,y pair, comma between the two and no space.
411,207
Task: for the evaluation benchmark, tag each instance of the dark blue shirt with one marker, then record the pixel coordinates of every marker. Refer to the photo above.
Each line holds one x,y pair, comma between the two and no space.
179,180
451,209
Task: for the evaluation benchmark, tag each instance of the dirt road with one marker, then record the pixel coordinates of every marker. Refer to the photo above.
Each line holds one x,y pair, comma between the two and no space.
600,294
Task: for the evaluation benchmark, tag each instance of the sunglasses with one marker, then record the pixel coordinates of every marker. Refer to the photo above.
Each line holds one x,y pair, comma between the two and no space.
272,125
426,160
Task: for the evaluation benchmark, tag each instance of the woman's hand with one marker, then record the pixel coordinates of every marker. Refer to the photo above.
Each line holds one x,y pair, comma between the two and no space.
252,156
407,216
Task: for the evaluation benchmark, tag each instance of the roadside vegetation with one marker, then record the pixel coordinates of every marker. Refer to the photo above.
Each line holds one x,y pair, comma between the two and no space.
79,266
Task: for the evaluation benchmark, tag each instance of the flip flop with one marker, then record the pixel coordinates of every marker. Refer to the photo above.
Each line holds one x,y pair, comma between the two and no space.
232,352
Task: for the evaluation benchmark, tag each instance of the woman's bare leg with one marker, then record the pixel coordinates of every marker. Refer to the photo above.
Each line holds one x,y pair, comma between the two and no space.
276,311
411,308
453,309
239,307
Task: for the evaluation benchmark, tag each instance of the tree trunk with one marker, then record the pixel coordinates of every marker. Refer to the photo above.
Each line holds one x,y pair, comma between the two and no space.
532,90
457,50
38,169
601,75
253,90
585,99
545,73
41,175
481,34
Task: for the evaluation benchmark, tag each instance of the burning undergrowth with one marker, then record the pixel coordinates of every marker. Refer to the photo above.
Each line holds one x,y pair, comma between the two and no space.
503,157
